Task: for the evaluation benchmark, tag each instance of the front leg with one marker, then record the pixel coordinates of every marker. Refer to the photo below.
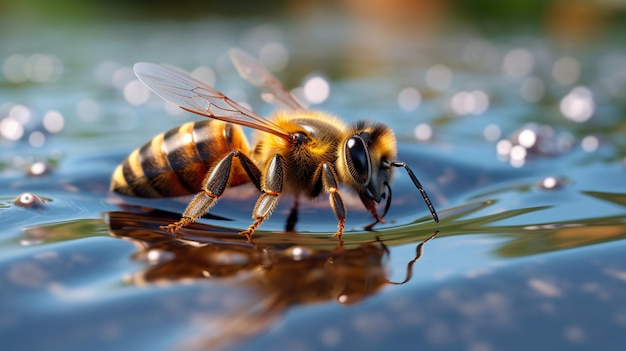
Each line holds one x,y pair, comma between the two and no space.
328,177
370,205
272,186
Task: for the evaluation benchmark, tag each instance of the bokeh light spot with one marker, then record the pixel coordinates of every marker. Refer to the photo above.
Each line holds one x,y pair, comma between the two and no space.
409,99
136,93
316,90
578,105
53,121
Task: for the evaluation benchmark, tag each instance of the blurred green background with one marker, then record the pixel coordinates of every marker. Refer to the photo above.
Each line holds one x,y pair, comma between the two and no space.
559,17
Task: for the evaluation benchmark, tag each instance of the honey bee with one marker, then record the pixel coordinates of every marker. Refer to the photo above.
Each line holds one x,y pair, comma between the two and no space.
298,151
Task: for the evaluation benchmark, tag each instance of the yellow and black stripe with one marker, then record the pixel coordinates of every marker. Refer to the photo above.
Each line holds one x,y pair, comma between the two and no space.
176,162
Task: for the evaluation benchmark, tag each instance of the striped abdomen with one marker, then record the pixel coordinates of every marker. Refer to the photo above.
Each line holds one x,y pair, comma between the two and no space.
175,163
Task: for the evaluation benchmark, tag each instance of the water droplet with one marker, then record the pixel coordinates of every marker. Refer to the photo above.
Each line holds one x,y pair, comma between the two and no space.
29,200
549,183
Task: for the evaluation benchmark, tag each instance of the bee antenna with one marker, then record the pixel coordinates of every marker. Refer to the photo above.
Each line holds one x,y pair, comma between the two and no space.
418,185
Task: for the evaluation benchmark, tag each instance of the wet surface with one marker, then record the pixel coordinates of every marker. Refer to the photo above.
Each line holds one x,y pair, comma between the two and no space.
524,165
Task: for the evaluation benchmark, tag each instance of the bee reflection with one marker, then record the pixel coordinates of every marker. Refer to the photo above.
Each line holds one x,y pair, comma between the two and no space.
280,271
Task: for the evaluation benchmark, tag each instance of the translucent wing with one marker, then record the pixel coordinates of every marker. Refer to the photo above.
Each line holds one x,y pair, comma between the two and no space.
194,96
256,74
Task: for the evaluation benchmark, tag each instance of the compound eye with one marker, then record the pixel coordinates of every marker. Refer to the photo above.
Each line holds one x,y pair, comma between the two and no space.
358,159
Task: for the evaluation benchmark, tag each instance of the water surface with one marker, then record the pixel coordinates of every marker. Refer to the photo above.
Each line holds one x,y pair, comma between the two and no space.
524,165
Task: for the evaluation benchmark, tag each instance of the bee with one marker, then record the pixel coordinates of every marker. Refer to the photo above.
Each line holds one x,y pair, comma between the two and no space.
298,151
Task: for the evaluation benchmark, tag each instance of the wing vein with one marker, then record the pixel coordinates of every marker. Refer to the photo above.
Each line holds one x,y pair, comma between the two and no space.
194,96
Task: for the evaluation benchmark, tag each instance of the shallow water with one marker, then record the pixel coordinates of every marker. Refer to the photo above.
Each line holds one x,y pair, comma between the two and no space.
525,168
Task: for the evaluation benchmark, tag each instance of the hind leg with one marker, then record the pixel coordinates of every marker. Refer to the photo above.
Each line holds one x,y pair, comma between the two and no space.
213,187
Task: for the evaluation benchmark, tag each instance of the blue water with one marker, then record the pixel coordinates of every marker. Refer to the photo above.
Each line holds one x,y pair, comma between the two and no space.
524,166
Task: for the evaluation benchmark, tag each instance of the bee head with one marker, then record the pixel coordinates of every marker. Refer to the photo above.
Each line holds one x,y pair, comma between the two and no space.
366,158
366,163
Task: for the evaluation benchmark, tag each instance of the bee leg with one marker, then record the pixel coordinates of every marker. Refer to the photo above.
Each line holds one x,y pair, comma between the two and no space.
253,172
200,205
272,187
293,217
370,205
213,187
329,182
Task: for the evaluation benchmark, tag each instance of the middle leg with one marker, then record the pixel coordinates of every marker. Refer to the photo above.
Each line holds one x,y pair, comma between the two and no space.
290,226
272,186
326,174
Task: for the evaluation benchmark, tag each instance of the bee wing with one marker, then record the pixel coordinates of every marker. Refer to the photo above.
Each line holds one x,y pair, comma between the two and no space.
194,96
256,74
